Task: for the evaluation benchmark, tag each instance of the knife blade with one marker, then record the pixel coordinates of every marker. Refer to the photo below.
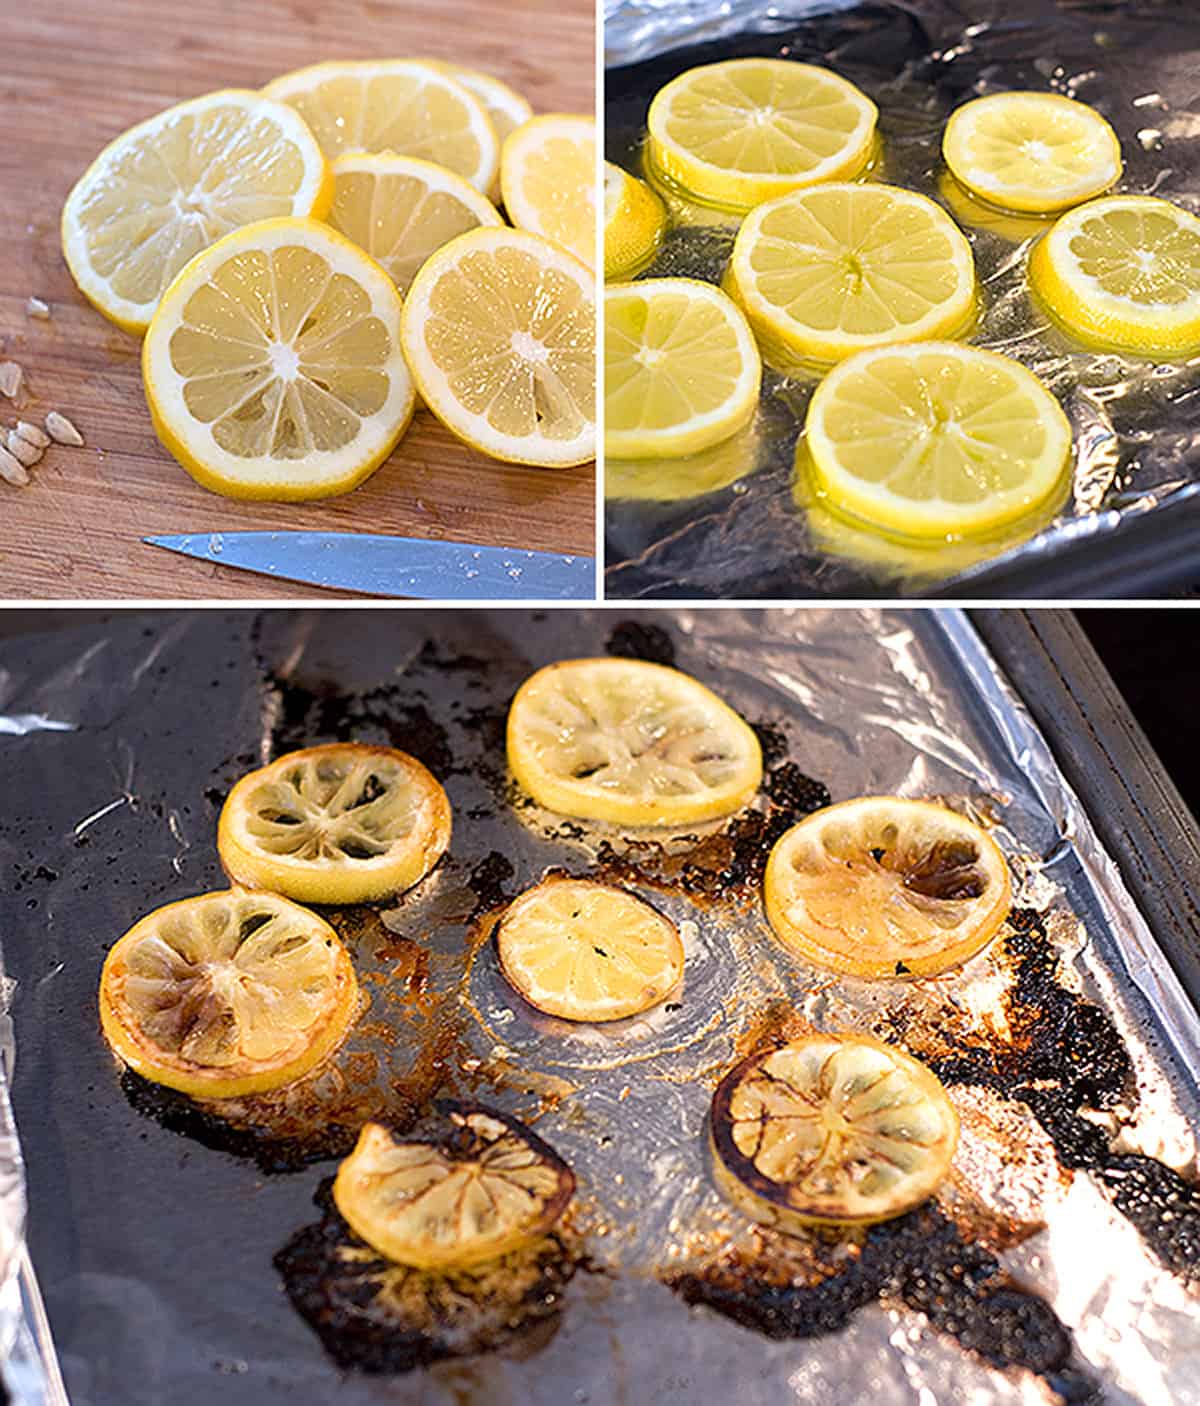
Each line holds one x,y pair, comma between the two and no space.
380,565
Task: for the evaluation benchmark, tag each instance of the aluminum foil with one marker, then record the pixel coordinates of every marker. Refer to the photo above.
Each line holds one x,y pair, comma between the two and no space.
154,1249
731,523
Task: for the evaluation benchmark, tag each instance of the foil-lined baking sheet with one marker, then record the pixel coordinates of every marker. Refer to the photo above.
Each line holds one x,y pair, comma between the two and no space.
154,1240
736,521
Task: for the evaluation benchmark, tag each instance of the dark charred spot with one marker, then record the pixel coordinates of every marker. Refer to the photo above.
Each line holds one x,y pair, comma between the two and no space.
631,639
795,792
488,881
371,791
773,741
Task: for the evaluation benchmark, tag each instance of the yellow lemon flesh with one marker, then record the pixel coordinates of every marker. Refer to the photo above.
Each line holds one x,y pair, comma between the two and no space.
273,367
829,271
227,994
173,185
635,220
548,181
1034,152
506,108
681,368
882,887
1123,274
747,130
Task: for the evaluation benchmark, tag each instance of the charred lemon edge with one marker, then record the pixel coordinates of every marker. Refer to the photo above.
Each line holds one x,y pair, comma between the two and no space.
310,882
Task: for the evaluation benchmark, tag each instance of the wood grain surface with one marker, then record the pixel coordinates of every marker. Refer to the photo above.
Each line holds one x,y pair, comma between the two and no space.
76,73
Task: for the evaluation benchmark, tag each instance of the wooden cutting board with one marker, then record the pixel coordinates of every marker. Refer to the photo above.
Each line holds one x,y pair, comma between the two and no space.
76,73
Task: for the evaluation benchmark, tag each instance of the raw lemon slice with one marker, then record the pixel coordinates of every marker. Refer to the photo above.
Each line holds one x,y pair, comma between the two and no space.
175,184
500,331
588,951
400,209
342,823
1031,151
635,220
826,272
399,105
747,130
1123,273
630,742
227,994
831,1130
548,180
681,369
486,1187
935,440
273,366
506,108
880,886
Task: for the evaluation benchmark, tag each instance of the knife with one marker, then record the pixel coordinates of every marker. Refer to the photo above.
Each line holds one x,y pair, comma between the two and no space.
395,566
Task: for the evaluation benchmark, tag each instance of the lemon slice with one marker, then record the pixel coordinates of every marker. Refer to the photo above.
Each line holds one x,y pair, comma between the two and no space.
630,742
500,331
505,107
681,369
586,951
1034,152
692,476
826,272
486,1187
635,220
548,180
273,366
398,105
935,440
227,994
175,184
832,1130
747,130
342,823
400,209
880,886
1123,274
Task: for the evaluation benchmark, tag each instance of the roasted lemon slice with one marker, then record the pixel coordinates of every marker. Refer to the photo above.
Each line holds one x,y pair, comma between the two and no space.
227,994
343,823
747,130
635,220
548,180
400,105
825,272
630,742
586,951
880,886
400,209
488,1186
177,183
1035,152
833,1130
1123,274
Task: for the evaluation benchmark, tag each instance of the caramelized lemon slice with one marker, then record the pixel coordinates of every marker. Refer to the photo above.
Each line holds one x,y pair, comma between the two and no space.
488,1186
831,1130
630,742
588,951
343,823
881,886
227,994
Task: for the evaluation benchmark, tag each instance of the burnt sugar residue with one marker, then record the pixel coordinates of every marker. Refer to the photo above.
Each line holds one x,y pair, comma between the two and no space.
373,1315
634,639
489,881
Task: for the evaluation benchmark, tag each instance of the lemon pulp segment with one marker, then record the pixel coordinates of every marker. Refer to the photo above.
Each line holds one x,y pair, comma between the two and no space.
827,271
175,184
587,951
747,130
881,886
341,823
483,1188
681,368
1123,274
400,209
936,439
548,180
831,1130
499,328
635,220
630,742
227,994
1027,151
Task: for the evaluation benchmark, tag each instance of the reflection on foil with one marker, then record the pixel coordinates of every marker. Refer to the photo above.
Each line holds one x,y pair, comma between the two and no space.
1136,425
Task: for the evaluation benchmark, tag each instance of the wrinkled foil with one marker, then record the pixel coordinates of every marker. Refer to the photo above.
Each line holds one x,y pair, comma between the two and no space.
1136,424
154,1251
